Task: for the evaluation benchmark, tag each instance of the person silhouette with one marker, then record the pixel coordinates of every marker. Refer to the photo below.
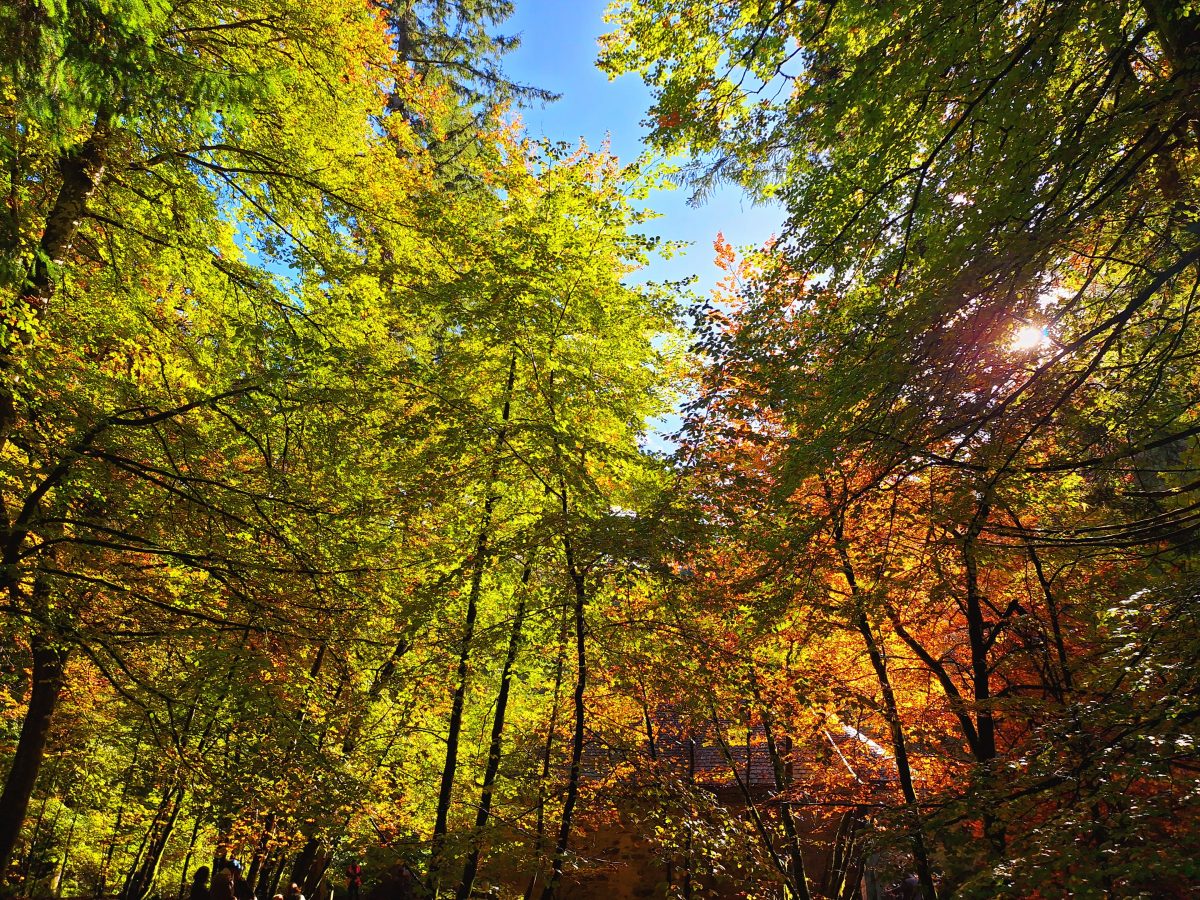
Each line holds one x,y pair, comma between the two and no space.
199,890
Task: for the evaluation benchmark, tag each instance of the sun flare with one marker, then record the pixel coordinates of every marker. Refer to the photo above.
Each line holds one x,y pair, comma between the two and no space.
1029,337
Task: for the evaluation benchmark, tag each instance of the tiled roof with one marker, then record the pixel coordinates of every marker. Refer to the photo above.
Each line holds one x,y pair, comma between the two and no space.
696,755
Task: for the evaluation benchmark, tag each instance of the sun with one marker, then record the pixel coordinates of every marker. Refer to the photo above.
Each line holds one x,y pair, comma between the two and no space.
1027,338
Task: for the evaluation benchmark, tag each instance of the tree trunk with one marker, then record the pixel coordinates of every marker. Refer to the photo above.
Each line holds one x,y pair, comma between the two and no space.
478,568
900,751
305,860
142,878
573,776
980,642
49,670
891,711
651,744
277,878
27,860
187,858
687,846
756,819
81,169
116,832
494,747
272,873
985,727
838,878
539,835
62,864
316,871
260,852
782,786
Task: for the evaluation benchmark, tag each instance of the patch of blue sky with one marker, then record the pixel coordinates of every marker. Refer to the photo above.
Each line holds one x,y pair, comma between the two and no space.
558,52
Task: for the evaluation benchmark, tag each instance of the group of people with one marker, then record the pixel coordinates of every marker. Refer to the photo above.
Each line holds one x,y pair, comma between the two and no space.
231,884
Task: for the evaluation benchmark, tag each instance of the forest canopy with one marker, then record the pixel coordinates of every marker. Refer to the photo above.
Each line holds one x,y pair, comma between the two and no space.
337,550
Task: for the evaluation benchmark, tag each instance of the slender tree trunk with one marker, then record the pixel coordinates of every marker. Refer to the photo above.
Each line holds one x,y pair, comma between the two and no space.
494,747
116,832
891,710
260,851
539,836
316,871
187,858
141,882
900,751
272,876
49,670
1052,610
980,642
783,785
264,888
277,879
62,865
133,887
985,727
843,848
27,860
478,568
756,819
573,775
305,860
81,170
687,845
651,744
137,859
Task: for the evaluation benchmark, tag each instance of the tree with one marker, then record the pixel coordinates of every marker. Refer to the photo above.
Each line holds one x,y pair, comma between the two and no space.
975,330
154,382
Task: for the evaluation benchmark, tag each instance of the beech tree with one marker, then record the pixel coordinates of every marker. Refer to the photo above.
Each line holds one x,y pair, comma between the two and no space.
961,376
328,527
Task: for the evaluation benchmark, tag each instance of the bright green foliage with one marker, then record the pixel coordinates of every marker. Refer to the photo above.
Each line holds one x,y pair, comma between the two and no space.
322,401
253,375
960,387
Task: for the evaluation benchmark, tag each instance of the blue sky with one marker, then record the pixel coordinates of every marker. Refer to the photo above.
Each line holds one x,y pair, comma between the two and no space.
558,52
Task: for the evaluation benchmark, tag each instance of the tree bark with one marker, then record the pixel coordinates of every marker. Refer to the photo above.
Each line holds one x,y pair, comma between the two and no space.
573,776
985,727
260,851
82,170
49,670
782,786
980,643
891,710
471,868
316,871
62,864
304,862
27,859
547,752
478,568
141,880
187,858
900,750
